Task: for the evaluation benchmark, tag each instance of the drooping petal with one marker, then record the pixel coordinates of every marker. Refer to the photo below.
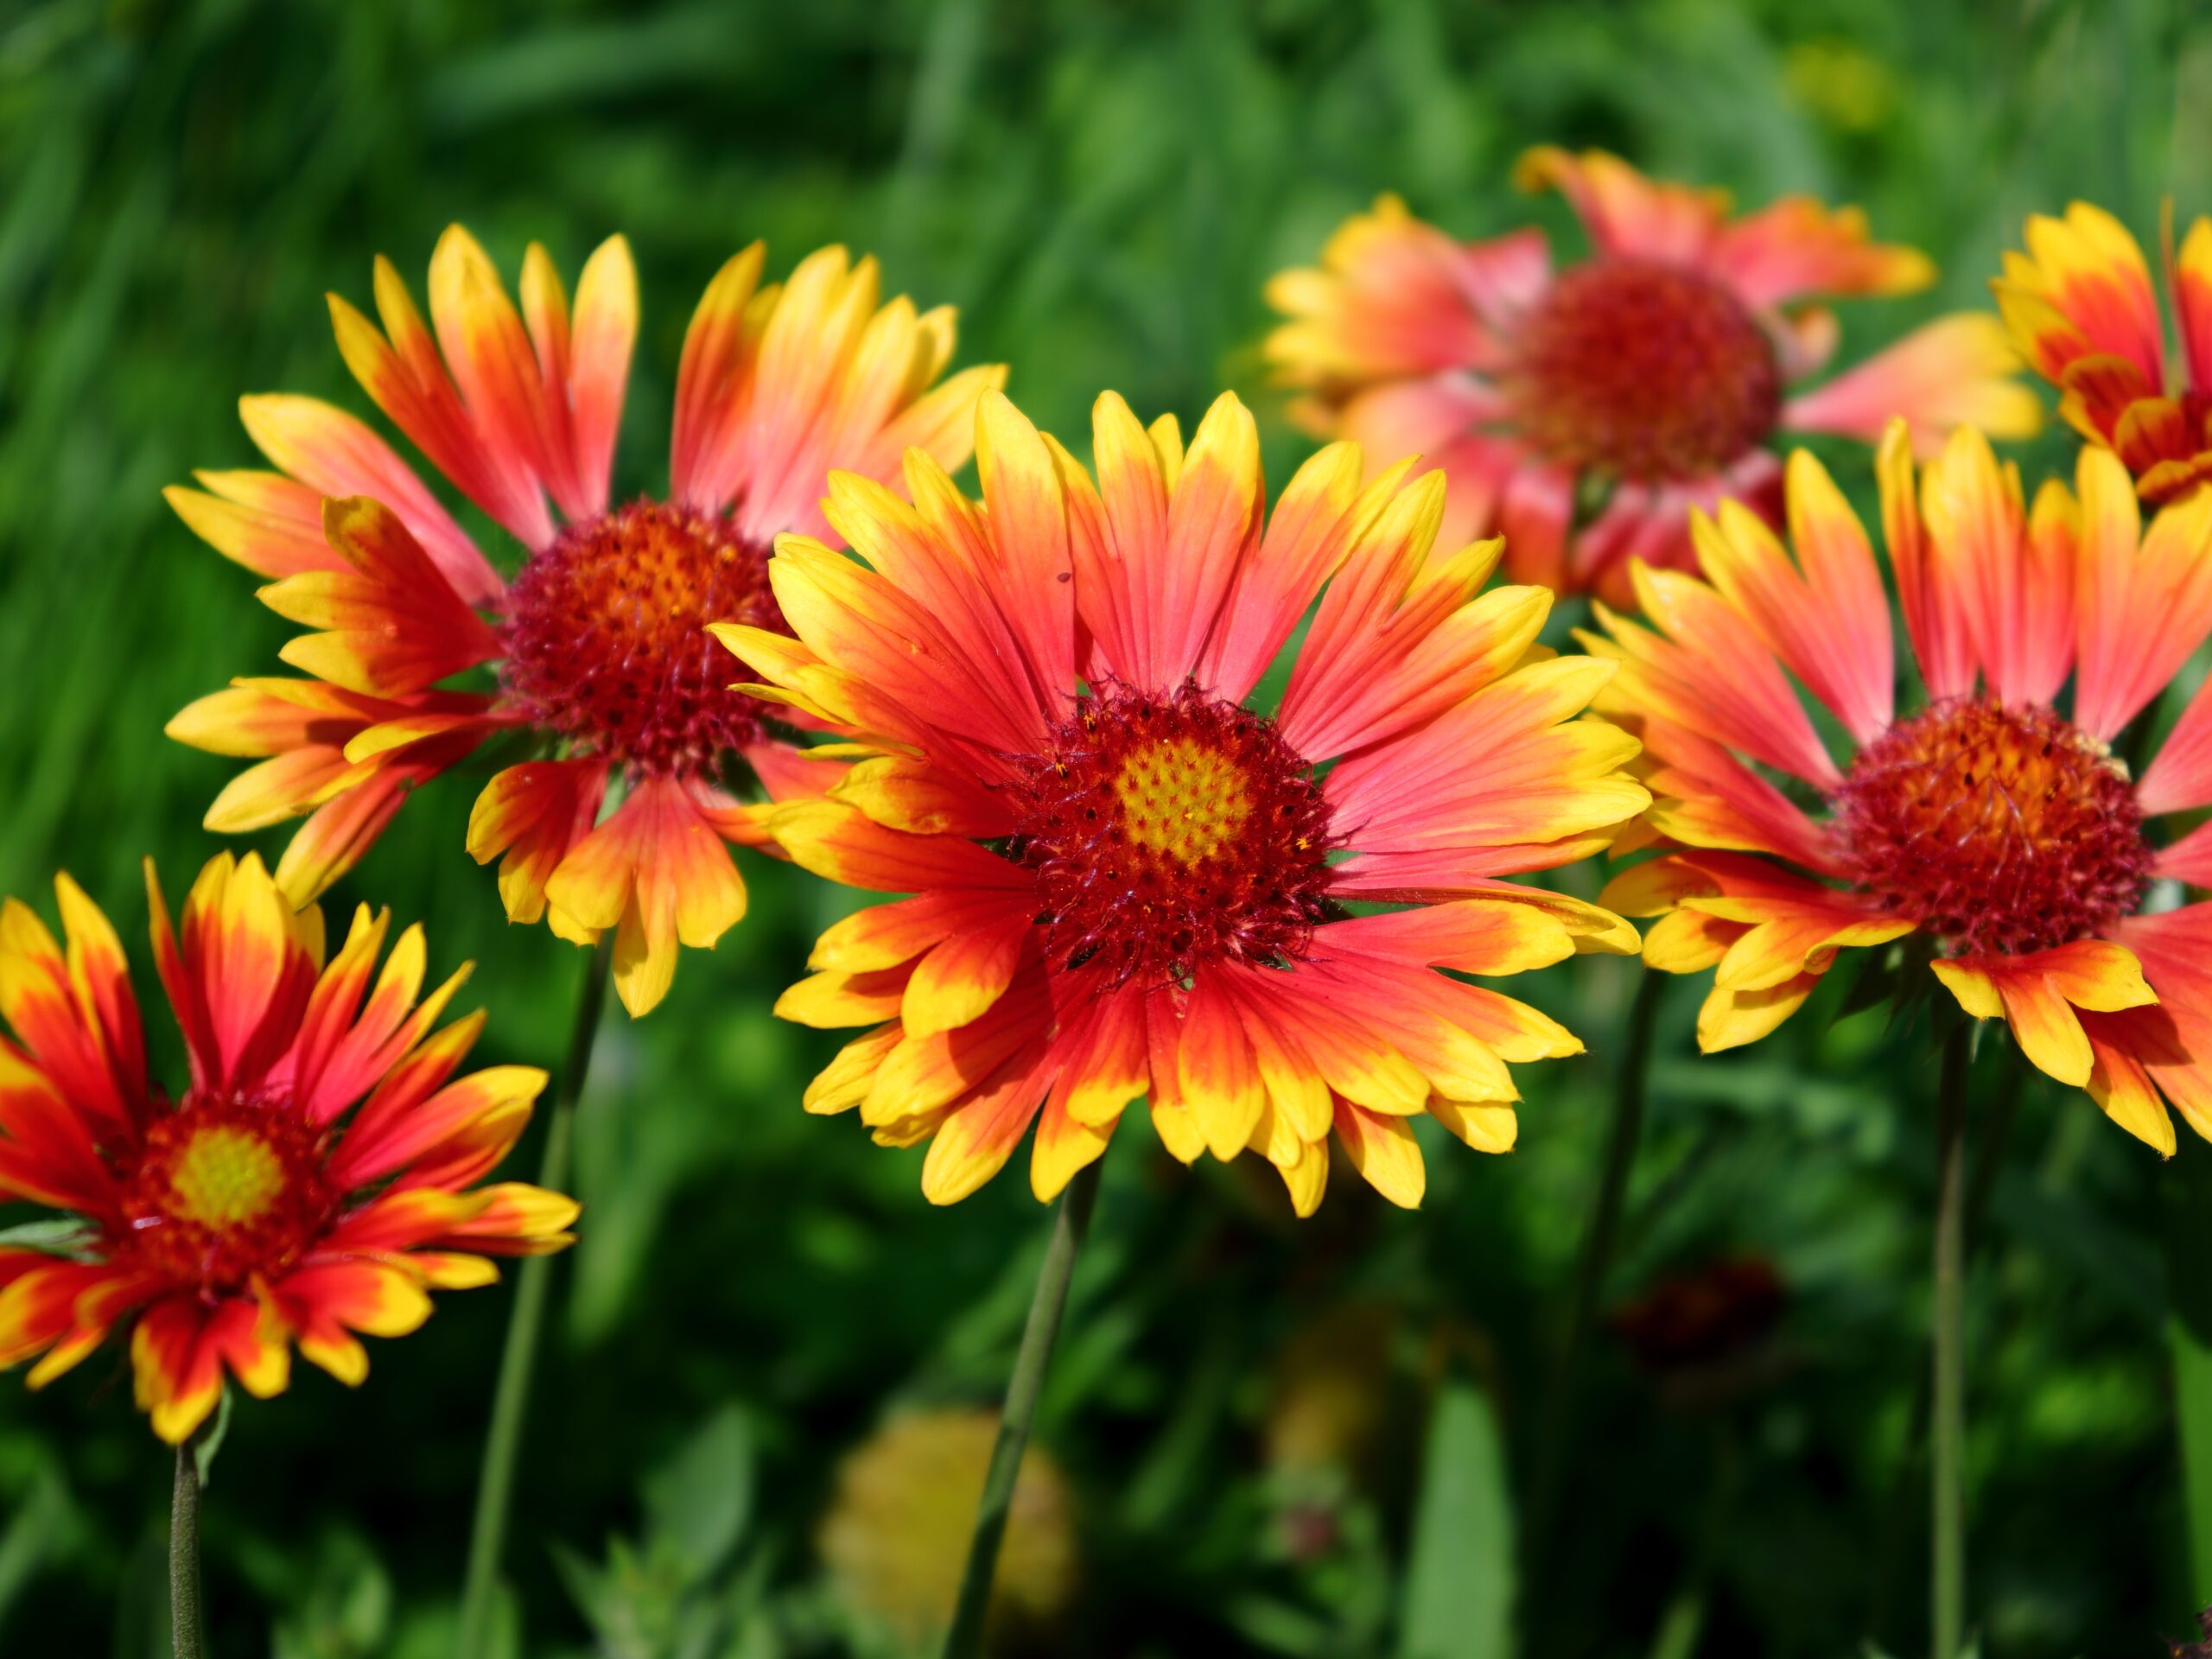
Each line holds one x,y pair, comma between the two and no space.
658,873
529,816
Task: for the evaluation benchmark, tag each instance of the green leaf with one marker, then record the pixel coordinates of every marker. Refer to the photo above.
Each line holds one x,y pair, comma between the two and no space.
1460,1581
57,1235
347,1610
591,1588
33,1533
697,1504
209,1440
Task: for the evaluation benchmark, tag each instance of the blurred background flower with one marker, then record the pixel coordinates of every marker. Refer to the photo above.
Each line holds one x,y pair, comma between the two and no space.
1103,187
895,1537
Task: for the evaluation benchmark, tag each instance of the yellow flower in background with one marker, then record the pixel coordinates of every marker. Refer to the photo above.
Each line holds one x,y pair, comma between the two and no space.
1841,82
895,1537
2083,312
1127,880
599,643
1651,378
314,1180
1329,1393
1982,818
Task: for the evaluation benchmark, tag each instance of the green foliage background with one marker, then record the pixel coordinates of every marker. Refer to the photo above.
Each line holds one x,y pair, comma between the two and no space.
1102,188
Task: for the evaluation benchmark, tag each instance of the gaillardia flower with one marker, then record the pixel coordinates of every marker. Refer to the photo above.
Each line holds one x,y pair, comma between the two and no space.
1997,829
1653,377
1127,878
317,1178
599,641
2083,313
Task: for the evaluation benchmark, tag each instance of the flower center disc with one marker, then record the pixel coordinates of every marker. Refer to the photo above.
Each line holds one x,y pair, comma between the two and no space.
607,640
1167,833
1643,371
2000,830
223,1190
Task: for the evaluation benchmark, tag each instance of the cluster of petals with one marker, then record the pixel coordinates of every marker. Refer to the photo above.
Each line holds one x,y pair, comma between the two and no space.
2083,312
1435,746
1585,411
2003,604
314,1181
518,409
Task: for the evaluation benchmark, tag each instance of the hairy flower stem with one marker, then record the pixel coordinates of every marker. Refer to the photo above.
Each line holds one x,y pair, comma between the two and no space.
1946,1542
1070,1222
1598,1243
511,1401
187,1639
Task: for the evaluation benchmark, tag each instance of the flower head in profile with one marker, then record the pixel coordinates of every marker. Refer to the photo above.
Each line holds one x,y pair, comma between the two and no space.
620,818
2083,312
1129,878
316,1177
1583,411
1987,820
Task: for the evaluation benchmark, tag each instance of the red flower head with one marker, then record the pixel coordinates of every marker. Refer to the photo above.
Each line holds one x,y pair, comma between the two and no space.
2084,315
1985,819
317,1178
1651,378
1129,876
600,641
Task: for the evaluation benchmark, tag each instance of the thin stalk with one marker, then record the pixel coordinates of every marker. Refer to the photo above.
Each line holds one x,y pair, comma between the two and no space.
187,1627
1070,1222
1947,1544
511,1399
1981,1186
2188,1184
1598,1242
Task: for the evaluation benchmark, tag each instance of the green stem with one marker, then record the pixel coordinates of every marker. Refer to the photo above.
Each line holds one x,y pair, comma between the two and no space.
1070,1222
1947,1562
186,1630
2188,1183
1981,1186
1596,1261
511,1401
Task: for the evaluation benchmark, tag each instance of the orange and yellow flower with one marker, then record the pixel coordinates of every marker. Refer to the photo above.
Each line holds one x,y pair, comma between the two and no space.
1999,831
599,639
2083,313
1127,879
315,1180
1583,412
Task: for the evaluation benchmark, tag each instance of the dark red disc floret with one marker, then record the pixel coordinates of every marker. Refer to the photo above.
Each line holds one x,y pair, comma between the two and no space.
1999,828
1170,832
607,641
1636,369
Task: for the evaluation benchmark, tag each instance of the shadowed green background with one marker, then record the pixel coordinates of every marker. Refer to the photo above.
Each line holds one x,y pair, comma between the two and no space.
1102,188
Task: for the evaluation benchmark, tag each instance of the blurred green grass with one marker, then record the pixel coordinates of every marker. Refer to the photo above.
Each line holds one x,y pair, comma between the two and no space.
1102,188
